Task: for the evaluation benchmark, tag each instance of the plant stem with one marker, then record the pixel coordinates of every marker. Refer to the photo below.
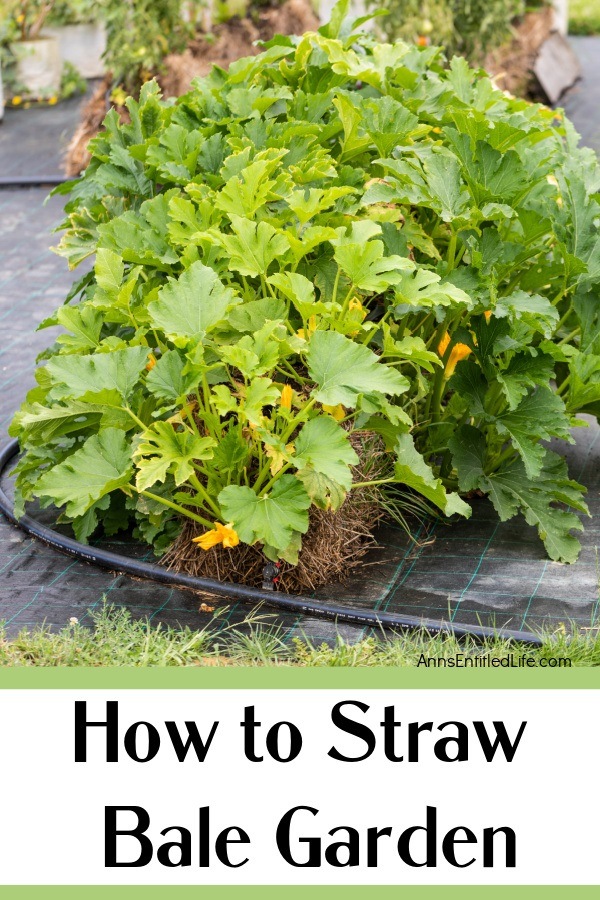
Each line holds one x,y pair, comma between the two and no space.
270,483
175,506
335,285
135,418
451,252
362,484
297,420
435,396
195,481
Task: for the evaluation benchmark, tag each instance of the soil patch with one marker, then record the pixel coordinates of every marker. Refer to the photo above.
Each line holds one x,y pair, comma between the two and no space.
512,64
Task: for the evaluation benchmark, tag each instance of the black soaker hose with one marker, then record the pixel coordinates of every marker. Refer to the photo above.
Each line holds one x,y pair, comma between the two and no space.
13,182
297,604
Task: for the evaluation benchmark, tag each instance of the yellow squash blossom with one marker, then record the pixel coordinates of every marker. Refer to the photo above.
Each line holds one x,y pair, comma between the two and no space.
338,412
443,344
458,352
220,534
312,327
16,100
151,362
488,315
287,393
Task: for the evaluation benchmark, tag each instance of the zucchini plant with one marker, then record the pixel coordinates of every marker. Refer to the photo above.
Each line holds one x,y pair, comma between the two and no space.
336,236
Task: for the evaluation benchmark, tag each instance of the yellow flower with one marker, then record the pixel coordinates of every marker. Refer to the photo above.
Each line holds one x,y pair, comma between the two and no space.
220,534
21,18
151,362
443,344
355,304
312,327
338,412
16,100
52,100
118,96
458,352
285,401
488,315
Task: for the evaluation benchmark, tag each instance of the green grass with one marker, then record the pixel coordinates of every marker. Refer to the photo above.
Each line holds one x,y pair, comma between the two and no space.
584,17
117,640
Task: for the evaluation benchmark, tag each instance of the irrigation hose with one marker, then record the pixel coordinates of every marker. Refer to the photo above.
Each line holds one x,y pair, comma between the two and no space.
31,181
275,599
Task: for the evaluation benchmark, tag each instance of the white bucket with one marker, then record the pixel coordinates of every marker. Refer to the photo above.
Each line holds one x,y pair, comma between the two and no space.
82,46
38,66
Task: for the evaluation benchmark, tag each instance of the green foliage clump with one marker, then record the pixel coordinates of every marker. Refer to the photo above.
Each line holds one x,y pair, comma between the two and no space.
335,236
74,12
468,27
139,35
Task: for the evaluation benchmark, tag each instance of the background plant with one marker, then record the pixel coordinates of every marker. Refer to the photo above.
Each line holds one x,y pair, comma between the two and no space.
24,19
140,34
74,12
336,236
468,27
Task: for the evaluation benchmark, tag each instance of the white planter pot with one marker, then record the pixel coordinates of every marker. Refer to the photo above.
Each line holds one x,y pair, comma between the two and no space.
82,46
38,66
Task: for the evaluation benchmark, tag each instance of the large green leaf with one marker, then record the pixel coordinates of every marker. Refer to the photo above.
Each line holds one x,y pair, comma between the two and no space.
109,269
246,192
192,305
584,385
102,465
259,393
168,381
323,445
443,180
363,260
45,424
165,450
301,292
512,491
412,470
251,316
84,324
539,416
343,369
252,247
76,376
533,309
468,448
272,519
524,372
324,493
423,289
